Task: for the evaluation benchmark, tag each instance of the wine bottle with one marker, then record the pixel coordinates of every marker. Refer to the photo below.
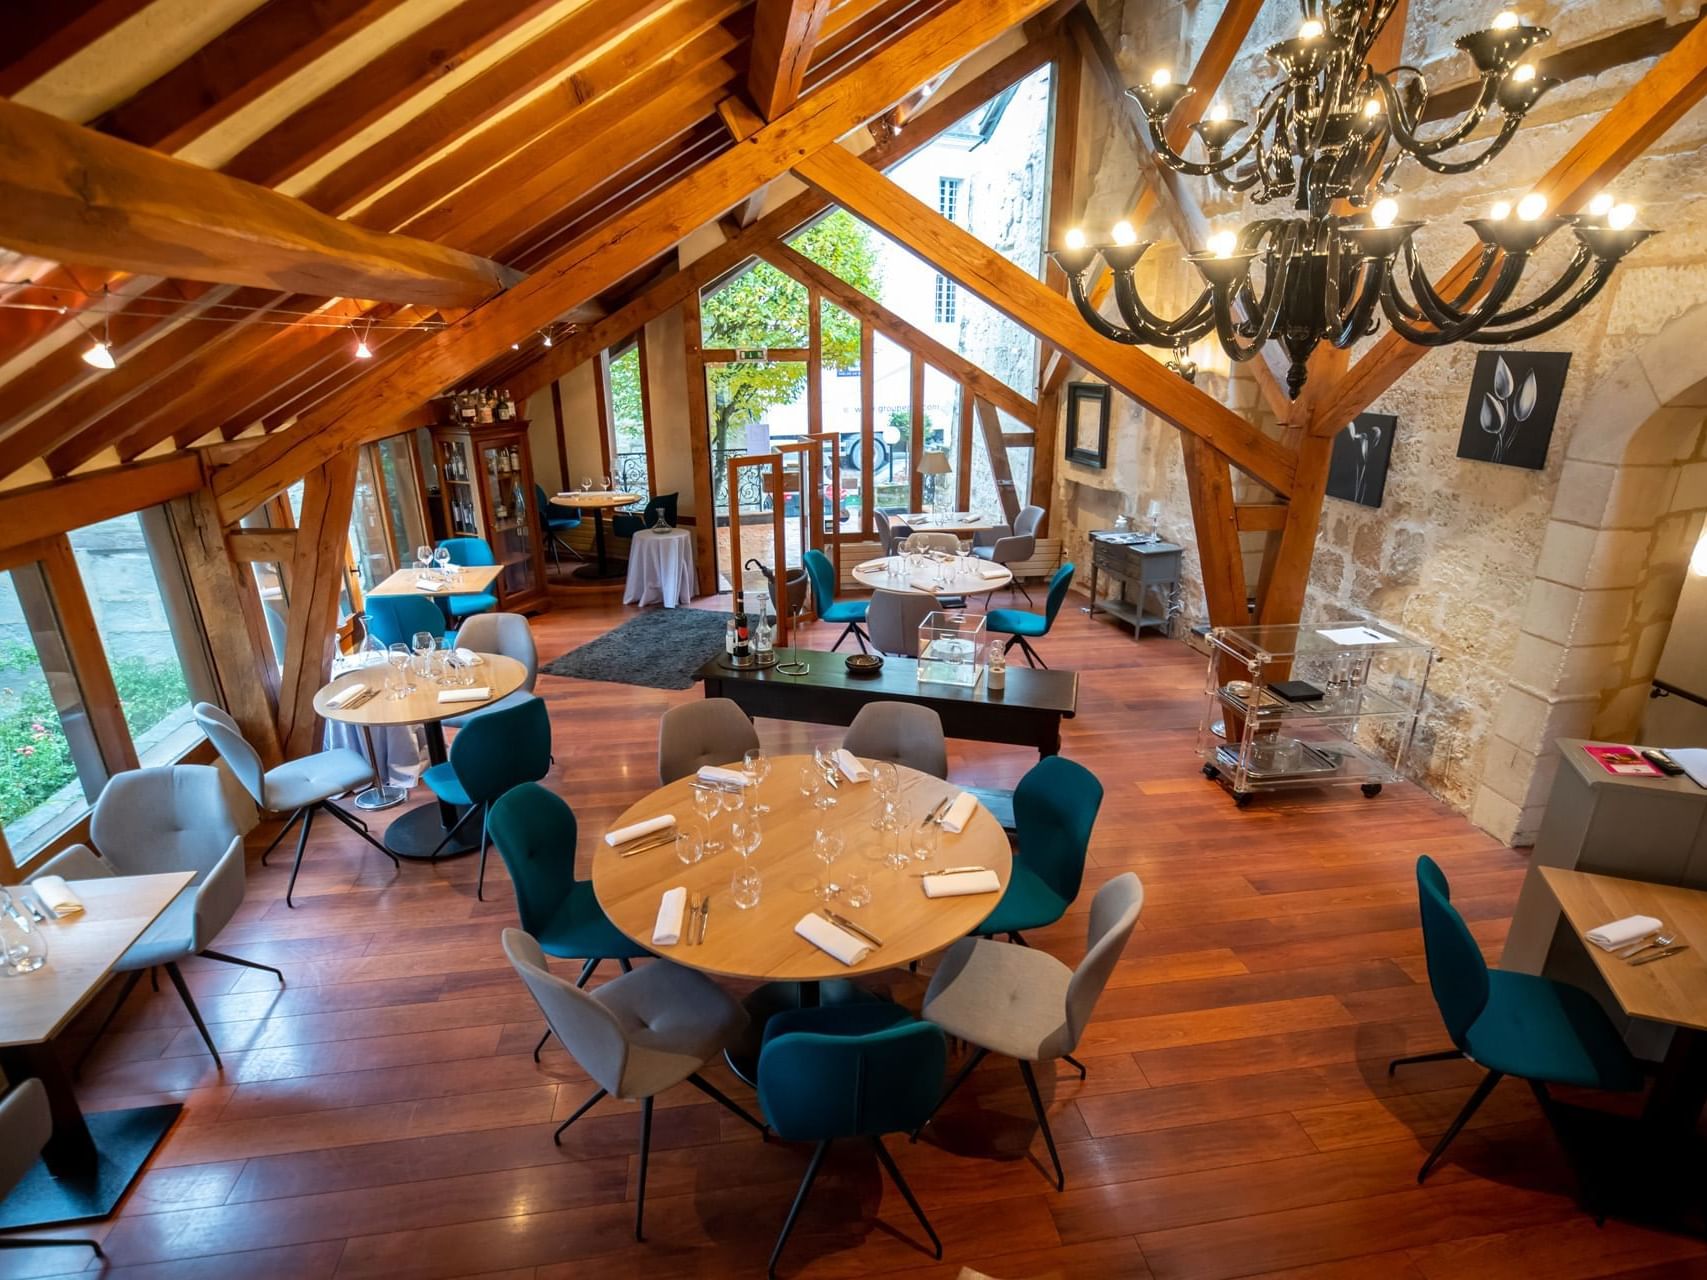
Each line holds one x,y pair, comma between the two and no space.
743,636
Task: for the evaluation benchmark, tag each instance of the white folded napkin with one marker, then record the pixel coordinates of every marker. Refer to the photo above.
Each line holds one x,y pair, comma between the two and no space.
668,931
964,882
992,571
635,830
467,657
959,813
882,562
830,940
850,766
1621,933
56,896
479,693
923,584
426,584
346,695
718,776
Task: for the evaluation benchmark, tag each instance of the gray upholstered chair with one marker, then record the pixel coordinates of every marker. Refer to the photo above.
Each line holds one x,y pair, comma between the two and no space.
889,531
1016,547
892,620
710,731
937,541
172,818
636,1036
26,1123
1004,998
902,732
507,634
296,787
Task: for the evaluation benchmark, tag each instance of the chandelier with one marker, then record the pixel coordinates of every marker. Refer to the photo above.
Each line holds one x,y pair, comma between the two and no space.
1328,136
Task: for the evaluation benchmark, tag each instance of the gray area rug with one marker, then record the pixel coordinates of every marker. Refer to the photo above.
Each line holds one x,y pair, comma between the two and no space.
659,650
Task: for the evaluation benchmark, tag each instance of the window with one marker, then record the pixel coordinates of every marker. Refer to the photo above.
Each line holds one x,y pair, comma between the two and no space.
945,300
948,197
628,421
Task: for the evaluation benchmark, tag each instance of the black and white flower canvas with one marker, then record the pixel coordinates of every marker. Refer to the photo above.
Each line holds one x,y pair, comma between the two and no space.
1514,400
1357,469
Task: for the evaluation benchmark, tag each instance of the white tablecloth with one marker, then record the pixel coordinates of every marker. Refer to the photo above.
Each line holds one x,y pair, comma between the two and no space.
402,748
660,567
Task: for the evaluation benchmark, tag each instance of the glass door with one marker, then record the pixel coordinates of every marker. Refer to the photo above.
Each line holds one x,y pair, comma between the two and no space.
752,407
504,472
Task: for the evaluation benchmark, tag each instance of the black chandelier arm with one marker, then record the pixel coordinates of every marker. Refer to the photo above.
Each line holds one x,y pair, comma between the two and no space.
1596,282
1222,163
1404,129
1508,129
1190,325
1457,324
1573,272
1343,327
1431,307
1094,318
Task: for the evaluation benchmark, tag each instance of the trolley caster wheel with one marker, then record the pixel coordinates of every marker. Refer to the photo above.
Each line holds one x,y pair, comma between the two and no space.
1371,789
1241,798
1211,772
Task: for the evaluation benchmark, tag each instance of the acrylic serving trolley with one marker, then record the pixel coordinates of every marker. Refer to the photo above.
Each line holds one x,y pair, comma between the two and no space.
1310,706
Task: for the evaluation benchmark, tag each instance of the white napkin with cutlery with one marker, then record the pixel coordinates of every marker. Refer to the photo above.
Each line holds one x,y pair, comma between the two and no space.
923,584
1621,933
338,701
992,571
882,562
851,767
427,584
668,931
468,657
961,883
56,896
959,813
832,941
636,830
716,775
480,693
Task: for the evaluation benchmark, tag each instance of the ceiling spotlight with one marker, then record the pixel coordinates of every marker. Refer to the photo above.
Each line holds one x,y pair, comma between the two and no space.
100,355
547,339
515,346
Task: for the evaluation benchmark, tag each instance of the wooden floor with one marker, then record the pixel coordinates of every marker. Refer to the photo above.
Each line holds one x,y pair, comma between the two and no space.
381,1115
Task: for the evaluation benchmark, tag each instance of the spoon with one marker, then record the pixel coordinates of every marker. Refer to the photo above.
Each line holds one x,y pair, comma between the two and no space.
1659,941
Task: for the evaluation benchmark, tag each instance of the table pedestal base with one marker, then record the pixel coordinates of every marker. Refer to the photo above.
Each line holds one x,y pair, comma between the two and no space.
381,797
123,1142
1639,1170
417,833
782,997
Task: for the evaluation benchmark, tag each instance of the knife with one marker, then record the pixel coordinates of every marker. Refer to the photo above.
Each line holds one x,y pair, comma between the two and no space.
1659,955
935,815
948,871
650,844
852,927
704,915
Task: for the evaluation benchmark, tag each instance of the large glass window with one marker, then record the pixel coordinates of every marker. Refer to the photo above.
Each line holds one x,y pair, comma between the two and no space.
372,551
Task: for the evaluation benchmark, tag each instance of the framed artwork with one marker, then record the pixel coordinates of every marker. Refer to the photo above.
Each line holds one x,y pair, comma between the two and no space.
1087,424
1514,400
1357,469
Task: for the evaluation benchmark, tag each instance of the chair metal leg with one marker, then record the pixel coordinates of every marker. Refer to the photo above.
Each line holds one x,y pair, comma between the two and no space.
888,1162
587,971
1590,1196
301,844
1032,657
289,823
211,954
1445,1055
1015,937
485,844
177,977
359,827
1476,1100
579,1112
130,981
729,1104
959,1079
645,1153
451,834
539,1048
626,963
1043,1122
51,1244
1071,1061
799,1201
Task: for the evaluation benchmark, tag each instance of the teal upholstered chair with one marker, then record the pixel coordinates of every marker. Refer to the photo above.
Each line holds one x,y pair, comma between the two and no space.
535,831
625,524
557,523
1055,807
849,1071
1514,1024
393,619
471,552
823,577
1023,627
489,755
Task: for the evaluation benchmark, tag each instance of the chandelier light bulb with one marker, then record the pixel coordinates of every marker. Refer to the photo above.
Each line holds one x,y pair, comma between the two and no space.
1523,73
1601,205
1311,30
1506,21
100,355
1222,244
1384,212
1620,216
1124,234
1217,113
1161,77
1075,238
1532,206
1500,212
1372,107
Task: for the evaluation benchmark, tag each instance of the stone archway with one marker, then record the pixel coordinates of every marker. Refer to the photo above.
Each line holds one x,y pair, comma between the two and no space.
1630,499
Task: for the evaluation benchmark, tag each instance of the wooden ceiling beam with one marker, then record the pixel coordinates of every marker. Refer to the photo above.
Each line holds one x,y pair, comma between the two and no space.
1668,90
872,197
40,36
595,261
71,194
785,35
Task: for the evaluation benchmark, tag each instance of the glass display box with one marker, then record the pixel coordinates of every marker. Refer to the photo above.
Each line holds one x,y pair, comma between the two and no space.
1310,705
486,487
951,648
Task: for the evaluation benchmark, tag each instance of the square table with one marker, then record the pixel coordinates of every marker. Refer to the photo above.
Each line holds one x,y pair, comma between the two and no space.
466,580
91,1159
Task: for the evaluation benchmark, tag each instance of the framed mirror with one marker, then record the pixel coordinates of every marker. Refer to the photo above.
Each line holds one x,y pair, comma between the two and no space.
1087,424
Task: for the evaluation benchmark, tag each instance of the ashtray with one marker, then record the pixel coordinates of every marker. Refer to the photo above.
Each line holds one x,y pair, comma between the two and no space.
863,664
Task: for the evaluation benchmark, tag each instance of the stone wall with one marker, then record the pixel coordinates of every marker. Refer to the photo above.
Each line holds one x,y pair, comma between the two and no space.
1451,554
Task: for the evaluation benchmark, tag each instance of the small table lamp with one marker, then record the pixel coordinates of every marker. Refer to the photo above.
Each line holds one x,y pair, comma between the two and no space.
933,463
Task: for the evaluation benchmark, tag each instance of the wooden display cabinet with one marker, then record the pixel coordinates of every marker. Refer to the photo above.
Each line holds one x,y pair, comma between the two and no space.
486,490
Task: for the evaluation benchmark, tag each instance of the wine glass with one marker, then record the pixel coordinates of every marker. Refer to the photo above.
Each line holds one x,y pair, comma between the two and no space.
827,847
708,802
746,835
398,656
745,886
423,557
758,764
811,783
856,888
441,557
688,847
606,482
586,484
885,783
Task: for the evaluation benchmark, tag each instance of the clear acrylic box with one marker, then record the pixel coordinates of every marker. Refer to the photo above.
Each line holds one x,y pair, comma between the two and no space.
951,648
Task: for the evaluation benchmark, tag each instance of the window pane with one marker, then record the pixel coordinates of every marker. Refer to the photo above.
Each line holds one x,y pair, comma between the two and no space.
130,614
50,767
628,419
367,528
400,495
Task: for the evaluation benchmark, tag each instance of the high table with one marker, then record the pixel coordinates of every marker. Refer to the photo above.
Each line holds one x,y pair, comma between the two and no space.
598,503
760,943
463,580
418,833
91,1159
969,576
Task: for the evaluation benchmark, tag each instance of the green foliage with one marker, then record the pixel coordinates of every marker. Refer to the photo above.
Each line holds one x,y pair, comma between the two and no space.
35,759
628,417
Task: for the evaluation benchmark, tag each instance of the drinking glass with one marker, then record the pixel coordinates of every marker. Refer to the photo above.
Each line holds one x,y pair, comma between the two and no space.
422,643
423,556
688,847
758,764
586,484
708,802
811,783
895,835
605,481
825,758
856,888
927,842
885,783
398,656
23,945
745,886
827,847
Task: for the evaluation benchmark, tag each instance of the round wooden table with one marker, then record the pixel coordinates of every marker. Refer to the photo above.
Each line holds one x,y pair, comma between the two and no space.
598,502
760,943
968,578
418,833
